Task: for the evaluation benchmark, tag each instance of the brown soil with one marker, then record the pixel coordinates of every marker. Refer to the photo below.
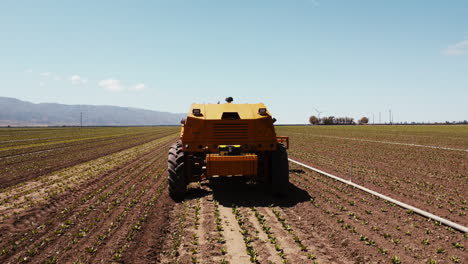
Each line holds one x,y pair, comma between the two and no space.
434,180
24,164
100,220
126,216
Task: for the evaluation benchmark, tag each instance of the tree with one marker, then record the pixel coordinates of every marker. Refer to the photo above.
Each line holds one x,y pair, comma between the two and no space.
313,120
328,120
364,120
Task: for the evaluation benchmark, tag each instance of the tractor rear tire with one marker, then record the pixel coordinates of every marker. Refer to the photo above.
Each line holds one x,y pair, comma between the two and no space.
279,171
177,172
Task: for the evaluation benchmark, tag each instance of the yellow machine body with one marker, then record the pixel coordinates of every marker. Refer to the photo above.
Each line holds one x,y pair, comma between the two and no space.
231,165
224,124
228,140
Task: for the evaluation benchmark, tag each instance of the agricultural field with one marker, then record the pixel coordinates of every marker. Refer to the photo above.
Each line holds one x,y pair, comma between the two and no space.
29,153
99,195
425,166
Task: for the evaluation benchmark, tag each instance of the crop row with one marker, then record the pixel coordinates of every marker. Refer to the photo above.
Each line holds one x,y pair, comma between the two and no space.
92,218
29,137
374,227
34,162
442,136
432,179
35,192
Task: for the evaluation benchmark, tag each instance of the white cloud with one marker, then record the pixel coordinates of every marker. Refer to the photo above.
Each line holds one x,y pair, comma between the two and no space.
41,84
460,48
77,80
138,87
29,71
111,85
46,74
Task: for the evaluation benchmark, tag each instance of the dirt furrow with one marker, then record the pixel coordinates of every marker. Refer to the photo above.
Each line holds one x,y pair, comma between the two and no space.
376,230
211,240
189,251
270,249
291,250
115,225
264,248
86,190
36,166
235,246
148,245
62,207
131,226
37,191
168,250
92,204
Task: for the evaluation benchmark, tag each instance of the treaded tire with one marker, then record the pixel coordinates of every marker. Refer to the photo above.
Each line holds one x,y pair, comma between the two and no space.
279,171
176,171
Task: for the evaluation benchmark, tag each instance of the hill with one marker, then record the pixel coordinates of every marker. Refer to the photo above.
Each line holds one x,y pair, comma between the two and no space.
15,112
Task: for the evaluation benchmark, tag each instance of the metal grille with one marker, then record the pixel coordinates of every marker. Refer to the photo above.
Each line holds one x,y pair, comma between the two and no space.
230,131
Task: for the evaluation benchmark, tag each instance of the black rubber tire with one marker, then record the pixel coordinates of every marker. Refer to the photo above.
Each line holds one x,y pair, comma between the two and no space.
279,171
176,171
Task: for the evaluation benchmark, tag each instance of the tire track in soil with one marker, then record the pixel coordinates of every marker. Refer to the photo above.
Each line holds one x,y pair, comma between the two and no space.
152,160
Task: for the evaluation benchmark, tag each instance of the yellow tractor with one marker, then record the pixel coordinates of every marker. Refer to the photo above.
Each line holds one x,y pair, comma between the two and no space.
228,140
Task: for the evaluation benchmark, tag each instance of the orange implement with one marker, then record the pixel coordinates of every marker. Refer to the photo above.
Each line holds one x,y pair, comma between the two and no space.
231,165
283,140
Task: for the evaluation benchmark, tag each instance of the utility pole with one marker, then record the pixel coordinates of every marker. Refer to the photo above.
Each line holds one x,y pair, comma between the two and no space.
380,117
372,118
81,119
390,116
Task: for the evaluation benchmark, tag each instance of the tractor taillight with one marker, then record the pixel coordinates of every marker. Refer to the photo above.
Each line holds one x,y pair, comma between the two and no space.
262,111
196,111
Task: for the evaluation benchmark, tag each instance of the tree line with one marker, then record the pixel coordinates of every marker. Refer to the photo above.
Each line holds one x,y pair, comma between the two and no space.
332,120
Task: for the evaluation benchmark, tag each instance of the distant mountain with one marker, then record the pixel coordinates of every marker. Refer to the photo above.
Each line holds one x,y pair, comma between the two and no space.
15,112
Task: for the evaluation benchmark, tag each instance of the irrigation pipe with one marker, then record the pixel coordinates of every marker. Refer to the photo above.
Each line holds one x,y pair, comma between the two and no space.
401,204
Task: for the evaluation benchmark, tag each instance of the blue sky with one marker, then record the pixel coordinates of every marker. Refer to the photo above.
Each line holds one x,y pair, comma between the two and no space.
344,58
